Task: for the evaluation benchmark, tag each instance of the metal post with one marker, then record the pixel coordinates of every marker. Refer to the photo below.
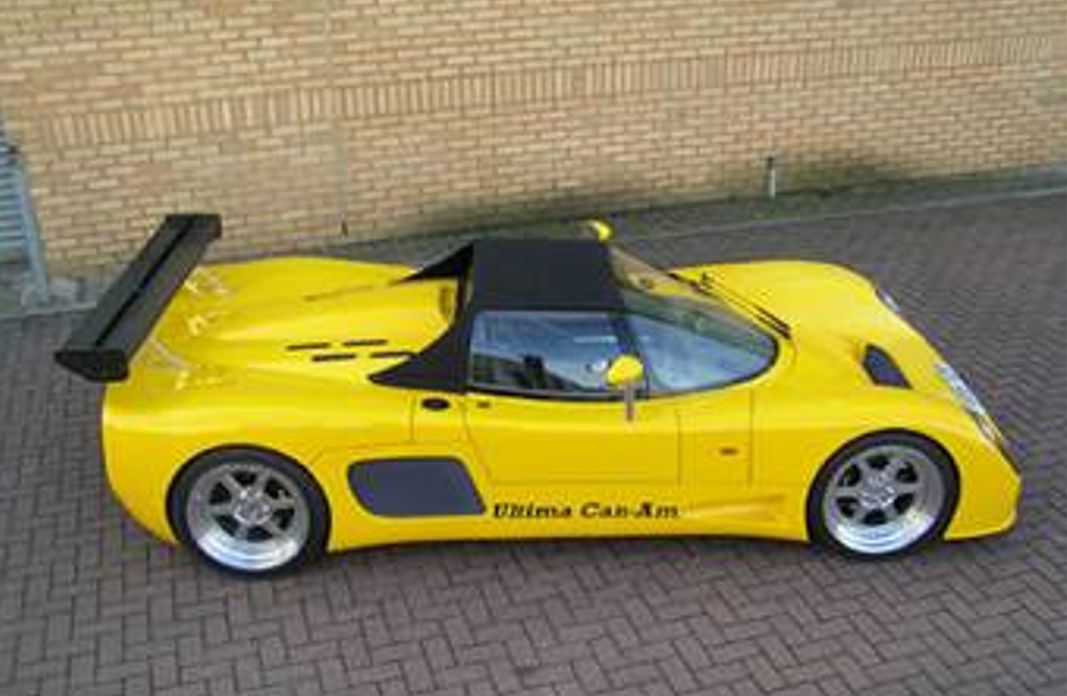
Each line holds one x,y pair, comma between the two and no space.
772,177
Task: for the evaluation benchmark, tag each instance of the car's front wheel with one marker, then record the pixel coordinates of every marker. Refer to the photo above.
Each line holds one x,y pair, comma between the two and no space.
883,495
249,511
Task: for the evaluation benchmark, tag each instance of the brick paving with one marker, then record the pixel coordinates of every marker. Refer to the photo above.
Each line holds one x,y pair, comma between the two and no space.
89,604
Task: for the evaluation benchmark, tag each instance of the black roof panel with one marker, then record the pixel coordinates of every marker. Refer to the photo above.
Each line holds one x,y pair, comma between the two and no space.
564,274
531,273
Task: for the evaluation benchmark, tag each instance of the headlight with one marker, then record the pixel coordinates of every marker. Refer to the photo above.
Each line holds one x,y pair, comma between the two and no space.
962,392
989,431
969,401
888,300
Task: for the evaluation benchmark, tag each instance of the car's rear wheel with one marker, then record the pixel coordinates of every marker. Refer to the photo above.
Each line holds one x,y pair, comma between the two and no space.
883,495
249,511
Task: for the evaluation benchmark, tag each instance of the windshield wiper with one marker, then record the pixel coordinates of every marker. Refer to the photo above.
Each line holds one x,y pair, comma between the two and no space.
708,284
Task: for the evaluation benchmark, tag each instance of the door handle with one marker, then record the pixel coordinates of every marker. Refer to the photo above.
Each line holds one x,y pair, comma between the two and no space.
436,403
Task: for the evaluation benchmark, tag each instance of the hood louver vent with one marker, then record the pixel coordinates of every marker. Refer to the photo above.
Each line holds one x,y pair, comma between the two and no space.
333,357
392,354
321,349
308,346
324,345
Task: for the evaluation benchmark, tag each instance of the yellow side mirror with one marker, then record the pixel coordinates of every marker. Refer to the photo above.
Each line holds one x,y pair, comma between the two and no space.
626,373
600,229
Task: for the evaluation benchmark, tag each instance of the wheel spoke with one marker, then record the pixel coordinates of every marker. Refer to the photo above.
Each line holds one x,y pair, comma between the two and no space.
272,527
895,466
907,488
220,509
259,483
277,504
230,482
845,493
865,469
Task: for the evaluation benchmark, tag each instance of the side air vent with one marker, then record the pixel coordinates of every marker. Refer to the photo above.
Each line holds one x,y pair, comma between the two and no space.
357,342
882,369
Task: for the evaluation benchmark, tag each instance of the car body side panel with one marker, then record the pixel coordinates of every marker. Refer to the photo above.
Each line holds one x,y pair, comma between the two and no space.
550,443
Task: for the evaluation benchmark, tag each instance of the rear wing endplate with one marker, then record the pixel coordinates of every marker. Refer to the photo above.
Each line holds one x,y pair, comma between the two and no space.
102,344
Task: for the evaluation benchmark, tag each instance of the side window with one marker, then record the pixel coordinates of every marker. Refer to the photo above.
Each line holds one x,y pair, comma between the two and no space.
680,359
562,354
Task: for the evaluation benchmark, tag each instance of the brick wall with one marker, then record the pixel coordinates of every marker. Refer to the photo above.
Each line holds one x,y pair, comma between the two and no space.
404,116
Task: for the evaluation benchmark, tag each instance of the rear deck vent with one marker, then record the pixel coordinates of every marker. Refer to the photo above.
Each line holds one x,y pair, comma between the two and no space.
392,354
308,346
356,342
333,357
882,369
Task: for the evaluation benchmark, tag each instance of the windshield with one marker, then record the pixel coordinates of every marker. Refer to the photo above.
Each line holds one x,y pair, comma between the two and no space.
689,339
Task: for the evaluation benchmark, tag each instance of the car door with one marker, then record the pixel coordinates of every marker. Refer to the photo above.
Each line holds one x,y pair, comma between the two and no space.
539,413
706,369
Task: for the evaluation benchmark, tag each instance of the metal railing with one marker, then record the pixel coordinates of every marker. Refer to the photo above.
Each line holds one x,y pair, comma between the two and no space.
18,223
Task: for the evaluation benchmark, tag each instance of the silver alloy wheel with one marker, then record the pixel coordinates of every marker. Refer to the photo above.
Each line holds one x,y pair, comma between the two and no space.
247,516
883,499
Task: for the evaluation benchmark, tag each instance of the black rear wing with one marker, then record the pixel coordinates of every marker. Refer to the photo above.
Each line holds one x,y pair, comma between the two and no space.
102,344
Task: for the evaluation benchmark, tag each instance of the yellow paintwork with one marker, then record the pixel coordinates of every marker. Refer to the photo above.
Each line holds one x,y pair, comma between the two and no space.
625,370
739,460
601,229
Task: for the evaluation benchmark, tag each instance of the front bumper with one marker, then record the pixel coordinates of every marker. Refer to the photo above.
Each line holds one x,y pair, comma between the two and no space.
990,488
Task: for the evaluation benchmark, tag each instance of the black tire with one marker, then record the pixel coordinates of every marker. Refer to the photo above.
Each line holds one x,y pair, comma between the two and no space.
820,511
286,485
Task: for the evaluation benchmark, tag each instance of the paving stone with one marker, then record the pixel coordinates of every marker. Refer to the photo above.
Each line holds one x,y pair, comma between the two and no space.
89,604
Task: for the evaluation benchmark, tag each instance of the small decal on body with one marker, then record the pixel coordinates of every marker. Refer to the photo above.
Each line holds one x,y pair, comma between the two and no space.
589,510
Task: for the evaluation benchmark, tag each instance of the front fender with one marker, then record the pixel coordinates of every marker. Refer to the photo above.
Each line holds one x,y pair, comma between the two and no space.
794,437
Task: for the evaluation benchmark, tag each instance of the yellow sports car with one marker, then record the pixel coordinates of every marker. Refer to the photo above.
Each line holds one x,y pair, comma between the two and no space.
265,412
